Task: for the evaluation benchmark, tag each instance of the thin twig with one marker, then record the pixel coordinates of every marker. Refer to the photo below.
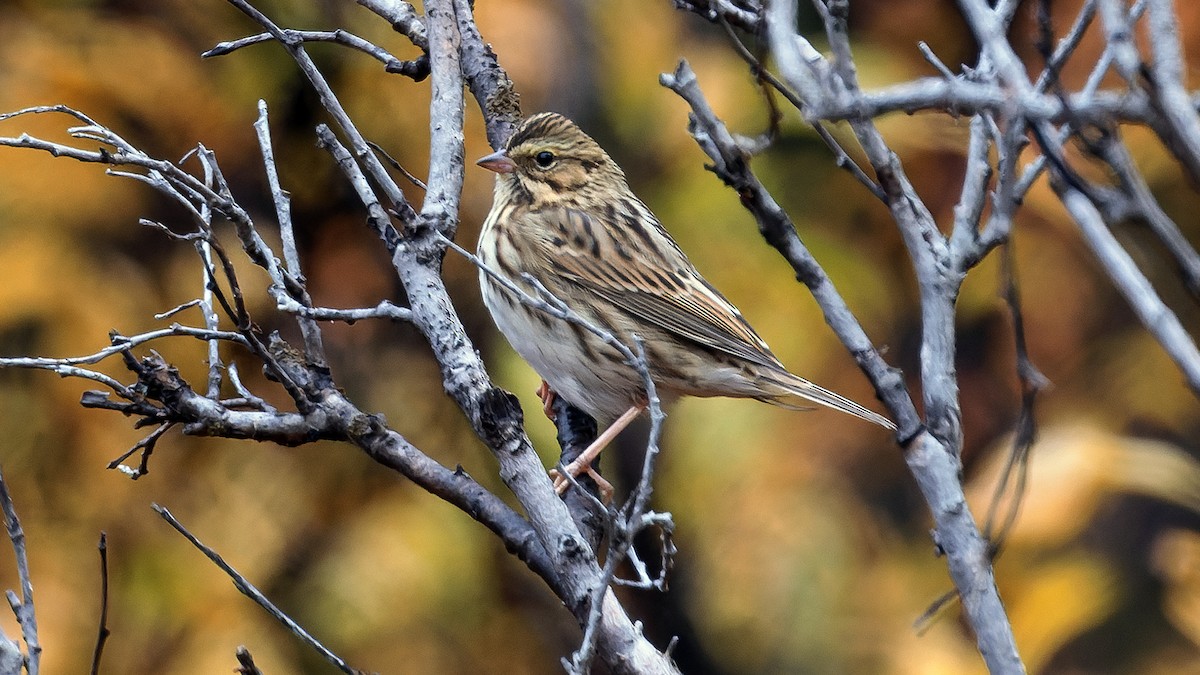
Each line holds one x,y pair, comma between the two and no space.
395,164
1154,314
314,348
211,322
246,664
402,16
146,445
250,398
248,589
103,631
417,69
22,607
1016,470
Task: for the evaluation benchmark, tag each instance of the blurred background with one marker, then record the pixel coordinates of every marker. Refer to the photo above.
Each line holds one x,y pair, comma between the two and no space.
804,543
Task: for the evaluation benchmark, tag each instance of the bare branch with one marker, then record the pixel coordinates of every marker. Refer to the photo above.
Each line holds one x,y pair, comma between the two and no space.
683,87
384,310
246,664
248,589
146,445
120,344
377,216
402,16
23,606
745,14
313,345
103,631
417,69
964,238
1016,470
1145,207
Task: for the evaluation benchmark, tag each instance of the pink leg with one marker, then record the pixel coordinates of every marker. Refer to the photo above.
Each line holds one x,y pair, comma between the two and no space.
583,463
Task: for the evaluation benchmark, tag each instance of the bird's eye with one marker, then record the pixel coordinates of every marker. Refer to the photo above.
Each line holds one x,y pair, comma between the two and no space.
544,158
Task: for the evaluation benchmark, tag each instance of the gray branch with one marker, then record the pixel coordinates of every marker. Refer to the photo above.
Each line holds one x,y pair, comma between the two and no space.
22,606
1005,104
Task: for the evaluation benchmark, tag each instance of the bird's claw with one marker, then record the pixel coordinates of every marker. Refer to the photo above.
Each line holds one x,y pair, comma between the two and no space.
547,395
574,469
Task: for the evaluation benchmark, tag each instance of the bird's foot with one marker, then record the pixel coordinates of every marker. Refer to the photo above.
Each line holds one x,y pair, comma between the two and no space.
547,395
575,470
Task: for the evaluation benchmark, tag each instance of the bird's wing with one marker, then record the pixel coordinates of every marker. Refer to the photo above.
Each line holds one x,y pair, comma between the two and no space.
634,264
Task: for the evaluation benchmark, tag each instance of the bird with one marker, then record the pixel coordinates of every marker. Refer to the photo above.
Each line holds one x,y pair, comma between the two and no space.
564,221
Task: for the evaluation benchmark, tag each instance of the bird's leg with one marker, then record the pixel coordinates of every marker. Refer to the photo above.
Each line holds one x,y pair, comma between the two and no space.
583,463
547,395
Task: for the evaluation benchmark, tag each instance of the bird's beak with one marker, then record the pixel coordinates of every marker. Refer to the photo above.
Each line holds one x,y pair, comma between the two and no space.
498,161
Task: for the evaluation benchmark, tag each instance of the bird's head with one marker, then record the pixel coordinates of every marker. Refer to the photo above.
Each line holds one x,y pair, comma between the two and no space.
550,158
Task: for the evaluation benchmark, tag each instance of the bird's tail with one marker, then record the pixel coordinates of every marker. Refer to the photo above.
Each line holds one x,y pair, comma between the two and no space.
792,387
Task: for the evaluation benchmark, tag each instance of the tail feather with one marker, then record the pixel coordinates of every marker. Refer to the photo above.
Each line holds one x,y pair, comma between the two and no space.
793,386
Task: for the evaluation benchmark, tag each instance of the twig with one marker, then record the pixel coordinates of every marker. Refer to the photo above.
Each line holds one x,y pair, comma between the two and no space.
401,16
1166,85
211,322
251,400
103,632
965,244
935,61
386,309
395,164
314,348
1016,469
246,664
248,589
1066,46
22,607
377,216
417,69
748,18
1116,154
146,445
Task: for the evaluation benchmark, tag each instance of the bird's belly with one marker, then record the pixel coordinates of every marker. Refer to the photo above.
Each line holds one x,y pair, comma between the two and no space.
578,366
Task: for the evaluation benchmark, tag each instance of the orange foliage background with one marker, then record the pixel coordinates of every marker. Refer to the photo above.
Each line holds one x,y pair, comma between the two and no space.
804,543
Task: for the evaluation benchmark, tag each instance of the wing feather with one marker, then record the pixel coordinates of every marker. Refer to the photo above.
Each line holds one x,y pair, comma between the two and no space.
646,274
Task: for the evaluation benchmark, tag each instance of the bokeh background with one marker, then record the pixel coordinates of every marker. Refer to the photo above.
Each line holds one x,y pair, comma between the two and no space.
803,542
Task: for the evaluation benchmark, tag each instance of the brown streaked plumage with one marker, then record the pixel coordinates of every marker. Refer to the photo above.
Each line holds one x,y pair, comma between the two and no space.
563,213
